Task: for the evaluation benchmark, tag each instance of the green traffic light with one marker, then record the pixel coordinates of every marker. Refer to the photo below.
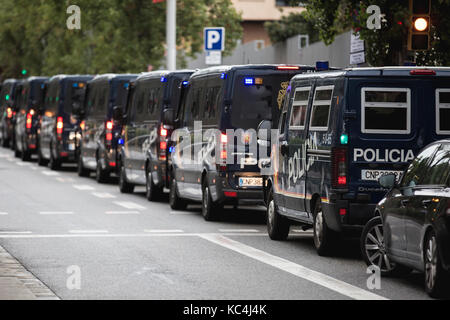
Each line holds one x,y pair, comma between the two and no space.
344,138
24,72
7,97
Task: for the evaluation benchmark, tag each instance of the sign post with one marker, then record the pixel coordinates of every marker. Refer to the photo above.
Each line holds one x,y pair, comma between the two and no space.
214,45
171,34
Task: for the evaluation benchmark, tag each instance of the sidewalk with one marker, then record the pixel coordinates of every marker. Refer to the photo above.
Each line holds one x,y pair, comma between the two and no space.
16,283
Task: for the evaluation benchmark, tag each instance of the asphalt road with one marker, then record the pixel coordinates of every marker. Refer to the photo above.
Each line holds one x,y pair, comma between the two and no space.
125,247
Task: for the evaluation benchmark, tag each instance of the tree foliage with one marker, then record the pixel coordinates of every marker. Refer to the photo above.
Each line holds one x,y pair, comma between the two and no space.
386,46
291,25
115,36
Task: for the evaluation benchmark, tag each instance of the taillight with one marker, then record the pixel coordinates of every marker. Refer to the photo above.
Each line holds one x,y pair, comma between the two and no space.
59,127
163,132
422,72
223,152
9,113
288,67
109,125
29,122
339,167
109,134
83,125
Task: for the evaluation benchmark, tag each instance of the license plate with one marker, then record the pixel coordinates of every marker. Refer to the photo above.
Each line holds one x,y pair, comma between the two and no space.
374,175
250,182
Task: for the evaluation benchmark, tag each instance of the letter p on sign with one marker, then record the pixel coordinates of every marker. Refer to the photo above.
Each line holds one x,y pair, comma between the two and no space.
214,39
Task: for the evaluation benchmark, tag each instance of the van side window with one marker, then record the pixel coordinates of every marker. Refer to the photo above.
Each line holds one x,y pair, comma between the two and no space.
386,110
443,111
299,107
320,113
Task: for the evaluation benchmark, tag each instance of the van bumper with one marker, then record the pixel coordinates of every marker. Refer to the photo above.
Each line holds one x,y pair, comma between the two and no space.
357,215
224,193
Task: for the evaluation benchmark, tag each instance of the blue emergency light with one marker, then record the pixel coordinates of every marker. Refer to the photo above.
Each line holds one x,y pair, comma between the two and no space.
322,65
249,81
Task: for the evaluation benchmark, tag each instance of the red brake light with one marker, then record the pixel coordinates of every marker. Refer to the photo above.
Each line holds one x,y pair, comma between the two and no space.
82,125
29,120
59,125
288,68
231,194
109,136
422,72
342,211
9,113
163,145
339,167
224,138
163,132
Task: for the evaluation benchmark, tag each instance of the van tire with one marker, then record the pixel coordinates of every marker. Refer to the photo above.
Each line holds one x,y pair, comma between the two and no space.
124,185
54,164
152,191
101,175
324,237
81,170
175,202
210,209
41,160
277,225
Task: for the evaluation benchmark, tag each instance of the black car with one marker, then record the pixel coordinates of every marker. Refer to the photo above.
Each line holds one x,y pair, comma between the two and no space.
99,132
146,133
29,105
412,222
7,111
59,124
223,168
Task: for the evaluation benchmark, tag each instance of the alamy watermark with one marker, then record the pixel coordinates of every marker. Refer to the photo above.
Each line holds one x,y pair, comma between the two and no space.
74,20
73,281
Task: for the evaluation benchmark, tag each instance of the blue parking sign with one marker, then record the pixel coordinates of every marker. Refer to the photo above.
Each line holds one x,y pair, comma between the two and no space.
214,39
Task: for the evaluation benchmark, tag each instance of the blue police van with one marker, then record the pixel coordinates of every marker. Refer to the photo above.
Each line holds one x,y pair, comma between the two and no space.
338,132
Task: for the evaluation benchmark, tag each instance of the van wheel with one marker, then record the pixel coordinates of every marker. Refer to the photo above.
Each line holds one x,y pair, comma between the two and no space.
54,164
176,203
324,237
436,278
26,154
210,210
152,192
41,160
81,170
4,141
101,174
277,225
124,185
373,249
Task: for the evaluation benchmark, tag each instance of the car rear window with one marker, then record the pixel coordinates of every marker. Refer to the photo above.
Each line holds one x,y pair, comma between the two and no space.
255,97
386,110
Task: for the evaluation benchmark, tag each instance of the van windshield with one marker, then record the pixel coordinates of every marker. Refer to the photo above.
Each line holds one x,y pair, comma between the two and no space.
256,97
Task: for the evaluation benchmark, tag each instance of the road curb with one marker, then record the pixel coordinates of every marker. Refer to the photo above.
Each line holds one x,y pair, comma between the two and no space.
17,283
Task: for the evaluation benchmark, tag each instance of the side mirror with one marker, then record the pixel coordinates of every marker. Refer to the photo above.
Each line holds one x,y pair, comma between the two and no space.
264,132
117,113
388,181
168,117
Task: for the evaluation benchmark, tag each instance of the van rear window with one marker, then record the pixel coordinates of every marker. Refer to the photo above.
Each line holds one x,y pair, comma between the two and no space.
386,110
443,111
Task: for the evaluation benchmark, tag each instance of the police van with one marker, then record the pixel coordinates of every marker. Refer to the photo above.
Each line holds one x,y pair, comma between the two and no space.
339,131
146,132
210,168
106,94
10,89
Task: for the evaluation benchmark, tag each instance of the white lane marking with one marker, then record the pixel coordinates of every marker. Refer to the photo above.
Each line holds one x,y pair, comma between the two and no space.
23,164
3,213
83,187
50,173
60,179
88,231
302,231
15,232
5,156
103,195
238,230
129,205
34,168
10,159
122,212
55,212
120,235
164,231
293,268
183,212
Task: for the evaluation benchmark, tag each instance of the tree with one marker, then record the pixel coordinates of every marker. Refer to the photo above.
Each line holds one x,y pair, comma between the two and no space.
116,35
291,25
386,46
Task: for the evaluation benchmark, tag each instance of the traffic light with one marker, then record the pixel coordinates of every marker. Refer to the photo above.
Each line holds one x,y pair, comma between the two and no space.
419,33
24,72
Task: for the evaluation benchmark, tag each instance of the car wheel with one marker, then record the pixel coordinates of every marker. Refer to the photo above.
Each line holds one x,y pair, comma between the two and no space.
101,174
124,185
436,278
324,238
152,192
81,170
277,225
373,249
176,203
210,210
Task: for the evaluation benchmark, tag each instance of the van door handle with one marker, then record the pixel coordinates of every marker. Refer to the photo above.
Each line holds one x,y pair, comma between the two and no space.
404,202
